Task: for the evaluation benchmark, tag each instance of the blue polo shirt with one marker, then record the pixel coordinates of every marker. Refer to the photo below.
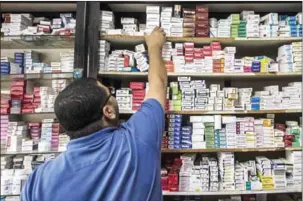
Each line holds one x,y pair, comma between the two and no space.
112,164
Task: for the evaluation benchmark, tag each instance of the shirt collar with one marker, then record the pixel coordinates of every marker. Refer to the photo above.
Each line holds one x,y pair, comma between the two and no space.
89,139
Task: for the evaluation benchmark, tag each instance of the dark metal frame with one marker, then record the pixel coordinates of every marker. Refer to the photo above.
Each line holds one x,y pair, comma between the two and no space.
86,54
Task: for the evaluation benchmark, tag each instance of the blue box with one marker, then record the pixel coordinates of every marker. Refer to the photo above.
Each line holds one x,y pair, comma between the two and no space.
172,142
291,18
186,128
177,146
282,17
255,99
175,133
186,132
186,141
255,106
255,70
185,137
174,120
174,125
174,116
174,138
186,146
174,129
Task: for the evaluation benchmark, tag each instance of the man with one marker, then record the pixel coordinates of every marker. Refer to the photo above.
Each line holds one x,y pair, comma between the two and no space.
104,161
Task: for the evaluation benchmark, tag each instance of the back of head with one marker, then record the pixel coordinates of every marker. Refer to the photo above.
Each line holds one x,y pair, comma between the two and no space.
79,105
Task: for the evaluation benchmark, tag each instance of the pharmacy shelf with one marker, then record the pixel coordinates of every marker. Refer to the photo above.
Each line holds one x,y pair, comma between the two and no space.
32,76
10,195
200,112
251,42
203,75
272,149
167,193
233,192
34,152
37,42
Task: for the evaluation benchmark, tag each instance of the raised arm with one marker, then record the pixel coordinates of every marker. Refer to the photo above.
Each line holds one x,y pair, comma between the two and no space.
157,76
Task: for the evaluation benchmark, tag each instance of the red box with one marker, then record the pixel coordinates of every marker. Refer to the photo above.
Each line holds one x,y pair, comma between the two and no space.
136,107
37,100
198,50
56,130
138,93
189,45
4,110
207,53
215,43
198,55
34,124
27,110
189,58
43,28
28,100
201,9
217,47
30,96
135,102
18,83
16,88
136,85
208,48
126,61
201,16
36,89
202,24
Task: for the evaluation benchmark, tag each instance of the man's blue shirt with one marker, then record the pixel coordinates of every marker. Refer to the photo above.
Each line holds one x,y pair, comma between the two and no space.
112,164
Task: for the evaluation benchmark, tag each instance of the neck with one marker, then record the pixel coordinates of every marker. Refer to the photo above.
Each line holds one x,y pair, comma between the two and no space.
89,129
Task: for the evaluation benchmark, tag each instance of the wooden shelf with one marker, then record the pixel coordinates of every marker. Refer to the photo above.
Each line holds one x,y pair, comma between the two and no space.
271,149
251,42
200,112
32,76
203,75
37,42
34,152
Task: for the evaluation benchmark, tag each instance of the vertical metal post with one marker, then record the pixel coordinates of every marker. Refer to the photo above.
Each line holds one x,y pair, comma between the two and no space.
93,38
80,55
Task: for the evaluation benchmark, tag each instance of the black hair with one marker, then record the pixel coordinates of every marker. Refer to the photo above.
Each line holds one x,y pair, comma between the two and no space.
78,107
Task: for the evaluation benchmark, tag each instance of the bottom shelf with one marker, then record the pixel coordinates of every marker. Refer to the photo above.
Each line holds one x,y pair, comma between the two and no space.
168,193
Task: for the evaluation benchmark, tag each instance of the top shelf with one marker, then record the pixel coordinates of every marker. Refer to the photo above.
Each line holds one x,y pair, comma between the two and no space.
251,42
214,7
37,42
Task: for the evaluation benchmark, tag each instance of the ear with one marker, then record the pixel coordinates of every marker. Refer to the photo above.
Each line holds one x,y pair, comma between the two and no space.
109,112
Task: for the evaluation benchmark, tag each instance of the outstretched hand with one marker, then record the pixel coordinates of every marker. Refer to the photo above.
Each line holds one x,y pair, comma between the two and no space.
156,39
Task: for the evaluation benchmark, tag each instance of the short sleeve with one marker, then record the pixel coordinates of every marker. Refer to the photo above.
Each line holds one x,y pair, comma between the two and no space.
27,188
148,123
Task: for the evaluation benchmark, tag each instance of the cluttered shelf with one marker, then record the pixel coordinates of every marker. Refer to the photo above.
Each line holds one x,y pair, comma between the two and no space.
227,112
37,41
31,76
164,150
167,193
247,192
231,150
134,40
203,75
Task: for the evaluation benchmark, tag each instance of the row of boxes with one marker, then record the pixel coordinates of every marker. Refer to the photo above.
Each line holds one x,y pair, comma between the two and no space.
185,57
194,173
216,131
25,23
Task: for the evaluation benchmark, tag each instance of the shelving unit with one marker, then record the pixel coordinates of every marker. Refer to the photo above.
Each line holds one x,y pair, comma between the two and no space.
85,40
